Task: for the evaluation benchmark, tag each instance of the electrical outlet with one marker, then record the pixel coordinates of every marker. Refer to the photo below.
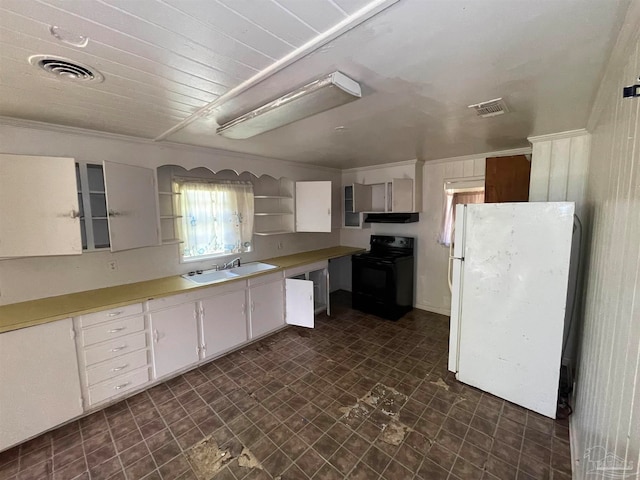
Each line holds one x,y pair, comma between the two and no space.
112,265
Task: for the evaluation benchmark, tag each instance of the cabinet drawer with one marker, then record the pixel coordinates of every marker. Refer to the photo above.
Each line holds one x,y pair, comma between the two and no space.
117,386
117,366
115,348
112,314
107,331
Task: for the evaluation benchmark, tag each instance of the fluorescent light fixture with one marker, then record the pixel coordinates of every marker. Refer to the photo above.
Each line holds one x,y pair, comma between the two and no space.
322,94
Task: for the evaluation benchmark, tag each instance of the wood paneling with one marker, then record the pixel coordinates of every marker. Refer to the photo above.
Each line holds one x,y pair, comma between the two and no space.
162,60
507,179
607,403
559,165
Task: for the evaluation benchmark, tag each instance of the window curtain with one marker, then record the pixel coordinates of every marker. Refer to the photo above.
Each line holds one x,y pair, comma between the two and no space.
217,218
453,198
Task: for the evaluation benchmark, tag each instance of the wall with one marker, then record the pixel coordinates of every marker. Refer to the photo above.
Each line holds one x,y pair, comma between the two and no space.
606,415
559,165
431,288
29,278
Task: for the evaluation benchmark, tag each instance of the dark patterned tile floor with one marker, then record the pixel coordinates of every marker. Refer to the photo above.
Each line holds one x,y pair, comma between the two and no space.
284,399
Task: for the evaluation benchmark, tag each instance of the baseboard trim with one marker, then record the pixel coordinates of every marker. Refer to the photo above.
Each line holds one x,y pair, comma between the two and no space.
431,308
576,464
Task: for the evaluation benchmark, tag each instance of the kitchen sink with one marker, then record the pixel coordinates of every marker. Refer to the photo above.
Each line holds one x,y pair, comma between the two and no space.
210,276
250,268
213,276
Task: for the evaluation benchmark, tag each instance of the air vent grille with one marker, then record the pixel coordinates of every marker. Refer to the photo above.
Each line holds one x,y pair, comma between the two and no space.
490,108
66,69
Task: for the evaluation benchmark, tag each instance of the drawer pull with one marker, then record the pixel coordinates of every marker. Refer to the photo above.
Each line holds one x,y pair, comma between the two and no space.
116,330
120,387
117,349
114,314
117,369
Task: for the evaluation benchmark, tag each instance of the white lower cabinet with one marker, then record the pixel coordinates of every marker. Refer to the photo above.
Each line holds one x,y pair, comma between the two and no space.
175,338
39,384
306,293
223,322
266,312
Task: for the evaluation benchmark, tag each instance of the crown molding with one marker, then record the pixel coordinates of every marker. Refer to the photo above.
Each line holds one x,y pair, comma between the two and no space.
382,165
559,136
64,129
498,153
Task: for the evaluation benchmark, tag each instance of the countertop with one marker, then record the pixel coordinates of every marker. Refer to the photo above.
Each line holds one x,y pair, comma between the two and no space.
35,312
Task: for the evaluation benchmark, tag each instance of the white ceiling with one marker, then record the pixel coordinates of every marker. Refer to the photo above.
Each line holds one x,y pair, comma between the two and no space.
420,63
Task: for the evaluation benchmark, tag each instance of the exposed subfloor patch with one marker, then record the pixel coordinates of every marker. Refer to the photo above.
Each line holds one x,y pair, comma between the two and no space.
207,459
380,405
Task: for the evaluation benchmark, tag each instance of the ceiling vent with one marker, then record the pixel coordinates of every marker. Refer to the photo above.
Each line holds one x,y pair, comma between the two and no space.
490,108
66,69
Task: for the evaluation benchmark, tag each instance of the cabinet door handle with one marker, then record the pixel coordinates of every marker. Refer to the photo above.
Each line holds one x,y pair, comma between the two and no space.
117,349
116,330
244,309
74,214
253,306
113,213
156,335
122,367
114,314
121,386
311,298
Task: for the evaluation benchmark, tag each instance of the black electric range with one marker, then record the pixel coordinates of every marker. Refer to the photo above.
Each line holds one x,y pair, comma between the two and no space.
383,278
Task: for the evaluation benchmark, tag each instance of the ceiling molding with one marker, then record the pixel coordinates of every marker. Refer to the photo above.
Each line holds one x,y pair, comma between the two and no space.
499,153
382,165
558,136
51,127
352,21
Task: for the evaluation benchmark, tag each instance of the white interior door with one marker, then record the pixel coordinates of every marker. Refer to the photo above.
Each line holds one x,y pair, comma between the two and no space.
39,213
313,206
175,339
132,205
224,322
514,291
299,303
40,387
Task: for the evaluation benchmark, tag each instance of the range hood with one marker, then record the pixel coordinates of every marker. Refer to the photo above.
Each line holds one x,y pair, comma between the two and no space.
392,217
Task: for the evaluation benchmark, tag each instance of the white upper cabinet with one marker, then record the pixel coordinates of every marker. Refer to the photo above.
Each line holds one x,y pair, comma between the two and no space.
313,206
39,212
132,206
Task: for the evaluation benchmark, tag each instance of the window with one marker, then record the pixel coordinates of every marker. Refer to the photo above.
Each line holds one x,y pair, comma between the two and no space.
455,193
216,217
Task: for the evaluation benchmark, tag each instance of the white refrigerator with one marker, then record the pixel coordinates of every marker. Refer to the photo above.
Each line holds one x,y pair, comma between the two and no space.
510,268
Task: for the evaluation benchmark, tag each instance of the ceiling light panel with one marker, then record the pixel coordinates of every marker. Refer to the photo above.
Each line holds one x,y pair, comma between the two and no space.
318,96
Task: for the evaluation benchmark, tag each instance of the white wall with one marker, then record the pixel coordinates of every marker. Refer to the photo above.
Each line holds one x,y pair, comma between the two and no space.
30,278
606,415
559,166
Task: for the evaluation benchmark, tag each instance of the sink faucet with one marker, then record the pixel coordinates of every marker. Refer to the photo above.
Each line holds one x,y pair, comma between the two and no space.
231,263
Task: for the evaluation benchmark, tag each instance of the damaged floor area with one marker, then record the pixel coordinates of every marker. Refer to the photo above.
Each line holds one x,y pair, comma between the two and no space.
357,397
